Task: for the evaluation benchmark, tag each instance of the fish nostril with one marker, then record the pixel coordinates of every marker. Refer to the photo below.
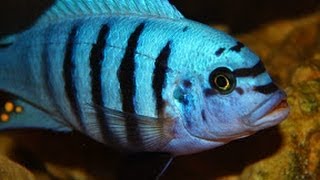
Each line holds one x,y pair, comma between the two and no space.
187,84
239,90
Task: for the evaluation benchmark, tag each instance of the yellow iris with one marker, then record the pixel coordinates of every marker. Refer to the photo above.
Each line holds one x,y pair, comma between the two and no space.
222,82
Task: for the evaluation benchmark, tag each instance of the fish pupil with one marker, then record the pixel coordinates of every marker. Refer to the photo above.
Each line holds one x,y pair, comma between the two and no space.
222,82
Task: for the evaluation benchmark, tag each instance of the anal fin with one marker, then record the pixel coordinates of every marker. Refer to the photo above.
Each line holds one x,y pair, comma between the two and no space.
17,113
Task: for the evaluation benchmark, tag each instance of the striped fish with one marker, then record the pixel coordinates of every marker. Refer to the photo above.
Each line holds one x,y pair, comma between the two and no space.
135,75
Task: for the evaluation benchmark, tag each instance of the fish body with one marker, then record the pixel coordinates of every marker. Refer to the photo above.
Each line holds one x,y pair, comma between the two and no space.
138,76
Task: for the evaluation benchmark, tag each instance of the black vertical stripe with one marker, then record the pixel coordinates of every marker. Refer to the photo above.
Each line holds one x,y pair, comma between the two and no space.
126,71
96,59
68,75
159,76
128,86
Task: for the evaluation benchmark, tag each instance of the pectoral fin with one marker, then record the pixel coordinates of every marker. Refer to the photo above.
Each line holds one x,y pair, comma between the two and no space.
132,131
18,113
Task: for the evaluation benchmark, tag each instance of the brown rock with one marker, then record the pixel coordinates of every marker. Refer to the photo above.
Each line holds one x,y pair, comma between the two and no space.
10,170
286,45
298,157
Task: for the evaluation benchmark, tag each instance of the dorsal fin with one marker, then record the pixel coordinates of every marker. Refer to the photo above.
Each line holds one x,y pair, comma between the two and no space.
62,9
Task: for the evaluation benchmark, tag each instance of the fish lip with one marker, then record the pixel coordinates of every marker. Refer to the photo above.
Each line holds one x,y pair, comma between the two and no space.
278,114
276,110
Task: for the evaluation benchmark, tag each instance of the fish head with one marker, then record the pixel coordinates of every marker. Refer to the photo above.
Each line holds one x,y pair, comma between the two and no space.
228,94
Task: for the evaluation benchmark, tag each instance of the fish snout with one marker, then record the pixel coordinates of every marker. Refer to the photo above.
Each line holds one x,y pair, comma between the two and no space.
270,112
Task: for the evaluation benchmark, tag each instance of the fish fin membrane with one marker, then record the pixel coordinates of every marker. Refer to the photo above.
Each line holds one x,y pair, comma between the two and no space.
147,165
17,113
63,9
152,130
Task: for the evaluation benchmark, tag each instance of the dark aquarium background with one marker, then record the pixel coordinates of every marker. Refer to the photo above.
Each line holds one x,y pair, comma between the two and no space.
286,34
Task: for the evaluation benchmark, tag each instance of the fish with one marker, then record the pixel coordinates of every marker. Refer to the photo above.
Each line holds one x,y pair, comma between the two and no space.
136,76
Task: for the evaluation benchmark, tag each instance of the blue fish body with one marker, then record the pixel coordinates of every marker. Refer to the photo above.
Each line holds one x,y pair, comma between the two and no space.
137,76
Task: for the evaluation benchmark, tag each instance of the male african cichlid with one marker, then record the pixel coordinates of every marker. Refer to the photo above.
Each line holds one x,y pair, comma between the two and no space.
135,75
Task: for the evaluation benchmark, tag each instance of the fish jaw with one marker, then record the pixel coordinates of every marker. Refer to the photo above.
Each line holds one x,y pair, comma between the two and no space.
269,113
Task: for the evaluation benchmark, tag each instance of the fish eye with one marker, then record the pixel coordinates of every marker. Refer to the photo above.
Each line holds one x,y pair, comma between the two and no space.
222,80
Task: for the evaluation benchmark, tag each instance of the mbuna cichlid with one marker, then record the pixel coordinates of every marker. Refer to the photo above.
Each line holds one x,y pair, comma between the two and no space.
135,75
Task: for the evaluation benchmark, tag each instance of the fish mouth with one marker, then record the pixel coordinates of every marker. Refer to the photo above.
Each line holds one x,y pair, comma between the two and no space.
270,112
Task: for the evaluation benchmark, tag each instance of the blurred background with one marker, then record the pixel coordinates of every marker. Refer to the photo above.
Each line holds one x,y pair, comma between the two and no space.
284,33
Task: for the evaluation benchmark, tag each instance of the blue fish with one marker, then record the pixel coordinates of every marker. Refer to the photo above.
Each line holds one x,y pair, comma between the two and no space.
135,75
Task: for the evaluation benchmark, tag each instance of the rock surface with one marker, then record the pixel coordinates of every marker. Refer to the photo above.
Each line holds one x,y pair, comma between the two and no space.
10,170
298,156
